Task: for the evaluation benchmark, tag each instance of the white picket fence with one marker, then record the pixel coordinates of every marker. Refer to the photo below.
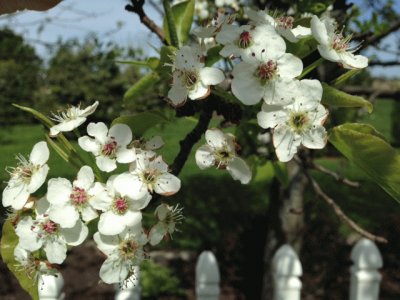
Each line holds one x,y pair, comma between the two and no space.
286,267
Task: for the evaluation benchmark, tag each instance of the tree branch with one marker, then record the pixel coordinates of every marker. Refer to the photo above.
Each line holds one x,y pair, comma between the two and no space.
335,175
384,63
339,212
370,38
137,8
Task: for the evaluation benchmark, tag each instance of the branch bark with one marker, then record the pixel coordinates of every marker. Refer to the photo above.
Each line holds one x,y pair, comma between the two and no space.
370,38
137,8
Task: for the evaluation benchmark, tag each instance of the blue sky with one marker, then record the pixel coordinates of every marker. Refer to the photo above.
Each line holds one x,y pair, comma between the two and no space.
77,18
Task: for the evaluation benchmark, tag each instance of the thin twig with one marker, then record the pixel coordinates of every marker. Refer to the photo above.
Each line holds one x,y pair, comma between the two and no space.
137,8
339,212
335,175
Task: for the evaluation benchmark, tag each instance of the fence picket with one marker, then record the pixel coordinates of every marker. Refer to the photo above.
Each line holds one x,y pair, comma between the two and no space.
207,277
286,270
365,278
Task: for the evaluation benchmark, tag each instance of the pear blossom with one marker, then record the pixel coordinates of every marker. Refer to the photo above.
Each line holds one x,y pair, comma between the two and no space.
109,146
297,124
121,208
220,20
284,25
333,46
220,151
71,118
190,77
124,252
269,74
42,232
168,217
242,41
149,174
27,177
147,147
69,201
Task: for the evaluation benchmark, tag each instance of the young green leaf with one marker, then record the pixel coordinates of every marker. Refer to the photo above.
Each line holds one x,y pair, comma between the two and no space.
141,122
334,97
141,86
365,147
182,19
38,115
9,241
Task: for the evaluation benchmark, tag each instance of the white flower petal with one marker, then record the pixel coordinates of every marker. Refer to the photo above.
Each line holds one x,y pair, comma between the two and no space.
89,110
167,184
76,235
99,131
311,89
99,197
211,76
28,240
157,233
154,143
15,196
245,86
199,91
88,144
66,126
285,142
315,137
271,115
40,154
319,31
281,91
59,191
132,218
239,170
85,178
106,243
65,215
89,214
56,251
204,157
289,66
38,178
178,92
125,155
113,270
106,164
215,138
328,53
130,185
351,61
229,34
122,134
301,31
140,204
110,223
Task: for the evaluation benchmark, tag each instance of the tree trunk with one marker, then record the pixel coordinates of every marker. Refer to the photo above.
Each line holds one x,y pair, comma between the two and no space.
285,220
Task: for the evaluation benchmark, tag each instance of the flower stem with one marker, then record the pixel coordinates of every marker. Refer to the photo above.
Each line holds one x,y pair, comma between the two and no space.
311,67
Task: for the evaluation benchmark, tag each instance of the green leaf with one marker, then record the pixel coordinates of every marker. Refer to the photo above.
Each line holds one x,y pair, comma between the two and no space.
133,62
169,26
213,55
38,115
9,241
181,21
141,122
164,67
303,47
141,86
365,147
334,97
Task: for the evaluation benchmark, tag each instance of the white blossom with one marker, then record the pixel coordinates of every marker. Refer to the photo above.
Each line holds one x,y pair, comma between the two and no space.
220,151
284,25
269,74
190,77
42,232
147,147
149,175
71,118
297,124
333,46
220,20
168,217
121,208
124,252
109,146
69,201
27,177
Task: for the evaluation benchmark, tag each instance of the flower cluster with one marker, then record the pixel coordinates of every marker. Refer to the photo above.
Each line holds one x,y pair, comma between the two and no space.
262,69
48,223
